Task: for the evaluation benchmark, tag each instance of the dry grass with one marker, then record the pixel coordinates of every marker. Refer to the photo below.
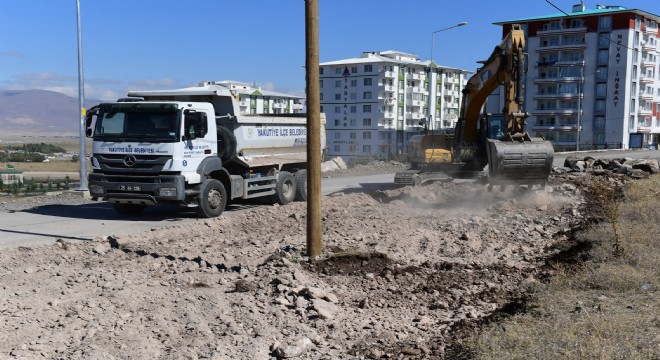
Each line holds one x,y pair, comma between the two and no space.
51,166
609,308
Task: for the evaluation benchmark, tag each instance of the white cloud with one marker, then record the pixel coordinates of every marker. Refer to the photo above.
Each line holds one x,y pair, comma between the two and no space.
12,54
162,83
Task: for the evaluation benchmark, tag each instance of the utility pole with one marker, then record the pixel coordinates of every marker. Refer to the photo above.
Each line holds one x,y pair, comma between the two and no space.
82,155
313,129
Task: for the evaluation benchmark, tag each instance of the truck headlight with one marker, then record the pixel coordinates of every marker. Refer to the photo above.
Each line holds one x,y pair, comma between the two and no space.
96,189
167,192
95,162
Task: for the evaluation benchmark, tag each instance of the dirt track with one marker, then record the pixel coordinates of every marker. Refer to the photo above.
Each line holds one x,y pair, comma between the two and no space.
401,271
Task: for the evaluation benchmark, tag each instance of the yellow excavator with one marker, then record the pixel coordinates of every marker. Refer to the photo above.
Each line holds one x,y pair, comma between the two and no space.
479,139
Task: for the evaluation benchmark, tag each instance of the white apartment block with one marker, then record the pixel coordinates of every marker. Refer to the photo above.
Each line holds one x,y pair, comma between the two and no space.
594,70
255,100
374,104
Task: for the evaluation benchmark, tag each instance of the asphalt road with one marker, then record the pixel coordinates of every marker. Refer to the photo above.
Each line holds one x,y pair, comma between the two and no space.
46,224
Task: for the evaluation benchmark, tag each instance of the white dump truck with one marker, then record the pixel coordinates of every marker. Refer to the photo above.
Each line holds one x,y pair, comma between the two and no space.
194,147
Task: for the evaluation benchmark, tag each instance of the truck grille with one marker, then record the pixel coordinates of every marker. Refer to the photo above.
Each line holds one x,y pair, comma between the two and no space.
131,164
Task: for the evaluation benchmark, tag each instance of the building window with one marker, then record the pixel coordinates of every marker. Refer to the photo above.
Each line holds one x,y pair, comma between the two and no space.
337,148
603,56
321,110
367,81
368,68
337,96
338,71
337,109
366,122
353,109
601,89
337,135
352,135
320,70
321,96
366,135
353,82
366,108
353,96
599,123
605,22
337,83
352,122
366,149
336,122
601,73
353,69
366,95
600,105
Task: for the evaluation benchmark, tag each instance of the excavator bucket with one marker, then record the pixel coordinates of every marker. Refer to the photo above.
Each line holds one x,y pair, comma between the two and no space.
522,162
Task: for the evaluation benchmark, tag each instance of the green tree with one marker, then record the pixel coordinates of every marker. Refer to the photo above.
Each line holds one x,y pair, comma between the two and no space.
75,158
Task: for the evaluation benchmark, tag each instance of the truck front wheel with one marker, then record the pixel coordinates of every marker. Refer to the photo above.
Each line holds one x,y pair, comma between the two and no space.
285,191
301,185
212,199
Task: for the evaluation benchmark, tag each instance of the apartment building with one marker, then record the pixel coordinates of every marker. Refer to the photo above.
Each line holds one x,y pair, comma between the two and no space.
593,79
255,100
376,102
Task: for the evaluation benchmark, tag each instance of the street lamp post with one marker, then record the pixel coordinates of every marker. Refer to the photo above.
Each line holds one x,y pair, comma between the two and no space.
431,97
82,155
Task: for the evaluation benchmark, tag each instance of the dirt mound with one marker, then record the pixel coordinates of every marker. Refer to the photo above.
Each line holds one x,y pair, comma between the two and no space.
401,270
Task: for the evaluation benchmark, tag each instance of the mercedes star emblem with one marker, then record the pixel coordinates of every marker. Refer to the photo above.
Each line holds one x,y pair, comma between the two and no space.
130,161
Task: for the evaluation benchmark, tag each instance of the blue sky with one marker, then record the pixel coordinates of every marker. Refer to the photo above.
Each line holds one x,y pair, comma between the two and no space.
149,44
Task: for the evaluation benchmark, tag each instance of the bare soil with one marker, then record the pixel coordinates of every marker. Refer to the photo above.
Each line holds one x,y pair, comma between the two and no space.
403,272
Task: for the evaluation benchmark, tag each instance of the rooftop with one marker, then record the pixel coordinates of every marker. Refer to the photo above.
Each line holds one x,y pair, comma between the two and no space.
579,10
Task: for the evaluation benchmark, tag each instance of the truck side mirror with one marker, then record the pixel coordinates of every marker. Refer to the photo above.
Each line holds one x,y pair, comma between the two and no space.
89,132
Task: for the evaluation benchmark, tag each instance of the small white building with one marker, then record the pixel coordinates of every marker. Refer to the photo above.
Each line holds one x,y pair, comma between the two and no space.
255,100
11,176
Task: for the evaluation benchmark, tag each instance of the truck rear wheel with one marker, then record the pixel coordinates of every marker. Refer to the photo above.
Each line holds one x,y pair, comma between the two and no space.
212,199
128,209
285,190
301,185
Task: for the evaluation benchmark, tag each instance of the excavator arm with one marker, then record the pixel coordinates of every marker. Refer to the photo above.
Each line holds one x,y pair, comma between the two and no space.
516,156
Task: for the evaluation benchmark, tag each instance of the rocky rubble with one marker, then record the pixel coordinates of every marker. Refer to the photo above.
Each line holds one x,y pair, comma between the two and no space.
634,168
402,270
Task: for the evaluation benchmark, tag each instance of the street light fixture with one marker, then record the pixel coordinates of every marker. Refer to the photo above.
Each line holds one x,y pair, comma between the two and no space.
431,97
462,23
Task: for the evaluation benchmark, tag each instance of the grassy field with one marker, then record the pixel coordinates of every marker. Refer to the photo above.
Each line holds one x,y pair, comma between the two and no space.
51,166
607,307
70,145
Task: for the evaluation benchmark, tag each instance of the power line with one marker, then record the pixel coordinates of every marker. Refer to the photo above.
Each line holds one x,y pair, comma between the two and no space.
596,30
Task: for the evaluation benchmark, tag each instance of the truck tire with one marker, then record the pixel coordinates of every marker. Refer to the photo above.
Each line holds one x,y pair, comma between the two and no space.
285,190
212,199
301,185
128,209
226,144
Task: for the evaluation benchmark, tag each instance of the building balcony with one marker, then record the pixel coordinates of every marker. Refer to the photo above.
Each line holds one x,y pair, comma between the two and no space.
244,102
645,112
411,89
562,30
389,74
646,79
563,45
415,76
279,105
297,106
646,96
558,96
388,115
554,79
388,88
414,116
647,47
416,103
648,63
555,111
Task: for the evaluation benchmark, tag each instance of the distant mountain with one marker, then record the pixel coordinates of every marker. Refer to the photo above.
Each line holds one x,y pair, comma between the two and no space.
39,112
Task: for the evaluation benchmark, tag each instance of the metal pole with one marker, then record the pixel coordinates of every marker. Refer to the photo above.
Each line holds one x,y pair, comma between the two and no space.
82,156
579,115
313,129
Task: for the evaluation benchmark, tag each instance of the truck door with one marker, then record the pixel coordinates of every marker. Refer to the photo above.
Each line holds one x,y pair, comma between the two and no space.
197,140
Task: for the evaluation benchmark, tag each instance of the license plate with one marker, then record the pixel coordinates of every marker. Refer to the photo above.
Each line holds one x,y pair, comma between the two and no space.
129,187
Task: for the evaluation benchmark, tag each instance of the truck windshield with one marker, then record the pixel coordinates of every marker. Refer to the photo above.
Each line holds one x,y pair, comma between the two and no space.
138,125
